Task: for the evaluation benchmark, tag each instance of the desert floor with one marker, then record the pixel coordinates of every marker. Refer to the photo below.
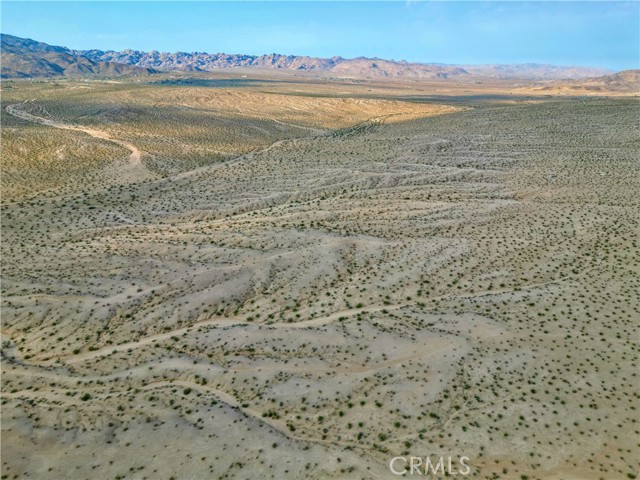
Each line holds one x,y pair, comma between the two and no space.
287,278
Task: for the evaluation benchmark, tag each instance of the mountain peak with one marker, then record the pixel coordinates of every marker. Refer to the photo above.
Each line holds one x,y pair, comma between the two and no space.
23,57
27,58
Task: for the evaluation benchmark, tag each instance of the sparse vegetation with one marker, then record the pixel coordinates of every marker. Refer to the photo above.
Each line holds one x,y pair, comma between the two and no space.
463,282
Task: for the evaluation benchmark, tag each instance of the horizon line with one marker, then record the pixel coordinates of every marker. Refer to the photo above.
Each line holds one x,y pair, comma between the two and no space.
530,63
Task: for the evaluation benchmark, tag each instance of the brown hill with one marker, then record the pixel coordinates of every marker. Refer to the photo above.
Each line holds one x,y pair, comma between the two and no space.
389,68
626,82
26,58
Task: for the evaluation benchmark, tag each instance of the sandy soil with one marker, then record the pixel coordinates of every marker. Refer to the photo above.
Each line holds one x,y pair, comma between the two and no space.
446,278
135,156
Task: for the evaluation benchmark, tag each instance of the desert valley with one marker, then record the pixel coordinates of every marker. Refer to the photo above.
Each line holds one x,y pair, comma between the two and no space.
294,268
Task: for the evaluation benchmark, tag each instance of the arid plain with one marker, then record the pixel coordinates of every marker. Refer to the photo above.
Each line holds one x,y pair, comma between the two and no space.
275,276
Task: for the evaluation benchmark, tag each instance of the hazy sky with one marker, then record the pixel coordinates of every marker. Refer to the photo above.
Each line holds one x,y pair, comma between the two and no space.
605,34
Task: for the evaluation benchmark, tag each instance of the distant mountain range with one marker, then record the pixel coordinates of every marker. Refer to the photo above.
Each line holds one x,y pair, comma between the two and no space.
534,71
199,61
25,58
624,82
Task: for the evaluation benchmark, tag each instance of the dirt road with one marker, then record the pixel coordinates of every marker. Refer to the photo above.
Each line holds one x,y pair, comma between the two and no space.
135,157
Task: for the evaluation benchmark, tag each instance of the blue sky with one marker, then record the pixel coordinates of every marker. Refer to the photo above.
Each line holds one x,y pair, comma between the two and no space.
604,34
